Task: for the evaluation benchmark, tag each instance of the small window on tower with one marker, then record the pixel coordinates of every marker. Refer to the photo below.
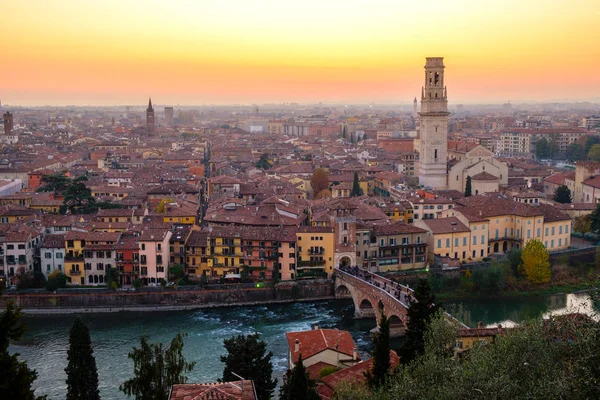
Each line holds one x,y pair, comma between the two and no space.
437,78
435,154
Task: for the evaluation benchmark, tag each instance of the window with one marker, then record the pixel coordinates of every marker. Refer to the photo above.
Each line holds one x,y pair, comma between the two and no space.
143,246
559,242
418,239
552,244
455,241
143,259
47,255
553,232
566,228
158,246
560,230
439,244
538,232
482,239
21,247
447,242
474,242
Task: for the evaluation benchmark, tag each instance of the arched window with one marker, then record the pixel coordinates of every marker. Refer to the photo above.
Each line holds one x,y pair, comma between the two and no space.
437,79
90,279
436,95
101,279
95,278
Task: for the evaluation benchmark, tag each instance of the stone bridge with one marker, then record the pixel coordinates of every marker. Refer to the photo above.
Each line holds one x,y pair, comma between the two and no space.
367,291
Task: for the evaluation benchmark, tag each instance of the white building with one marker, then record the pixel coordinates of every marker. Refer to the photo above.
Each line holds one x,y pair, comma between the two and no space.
52,254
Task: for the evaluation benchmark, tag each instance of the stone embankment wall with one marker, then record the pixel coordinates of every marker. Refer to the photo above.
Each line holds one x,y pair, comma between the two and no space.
171,297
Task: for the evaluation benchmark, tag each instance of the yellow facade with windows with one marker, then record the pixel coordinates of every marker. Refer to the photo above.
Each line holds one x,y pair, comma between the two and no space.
315,251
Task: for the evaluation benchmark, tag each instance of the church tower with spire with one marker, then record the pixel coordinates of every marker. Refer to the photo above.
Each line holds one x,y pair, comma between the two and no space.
433,145
150,121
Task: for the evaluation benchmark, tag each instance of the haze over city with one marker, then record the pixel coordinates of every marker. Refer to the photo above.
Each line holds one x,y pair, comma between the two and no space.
217,52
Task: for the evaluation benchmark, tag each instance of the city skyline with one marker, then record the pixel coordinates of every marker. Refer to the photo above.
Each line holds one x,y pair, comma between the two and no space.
190,53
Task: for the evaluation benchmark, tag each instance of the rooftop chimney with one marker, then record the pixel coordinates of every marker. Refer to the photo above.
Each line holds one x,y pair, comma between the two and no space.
297,346
316,327
354,354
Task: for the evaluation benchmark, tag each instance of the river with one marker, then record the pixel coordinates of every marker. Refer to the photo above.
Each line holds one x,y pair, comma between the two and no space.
45,344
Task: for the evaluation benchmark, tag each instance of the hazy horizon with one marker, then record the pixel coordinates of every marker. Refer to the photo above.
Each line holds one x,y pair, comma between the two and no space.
189,52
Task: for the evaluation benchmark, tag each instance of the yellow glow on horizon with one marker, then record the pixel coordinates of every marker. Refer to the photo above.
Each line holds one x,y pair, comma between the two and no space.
192,51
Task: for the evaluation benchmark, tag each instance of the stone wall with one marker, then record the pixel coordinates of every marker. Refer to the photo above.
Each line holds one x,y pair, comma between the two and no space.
170,297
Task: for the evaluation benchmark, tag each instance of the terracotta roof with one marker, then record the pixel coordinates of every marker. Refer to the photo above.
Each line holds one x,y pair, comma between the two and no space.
395,229
484,176
317,340
53,242
487,206
552,214
237,390
445,225
559,179
355,373
576,206
593,182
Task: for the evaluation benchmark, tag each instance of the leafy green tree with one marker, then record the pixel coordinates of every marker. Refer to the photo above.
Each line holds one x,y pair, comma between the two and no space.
356,189
16,377
468,188
378,375
263,162
595,220
589,142
562,194
78,197
535,262
160,208
420,313
575,152
56,280
582,224
176,272
156,369
82,375
112,278
514,259
298,385
594,153
137,283
247,356
542,149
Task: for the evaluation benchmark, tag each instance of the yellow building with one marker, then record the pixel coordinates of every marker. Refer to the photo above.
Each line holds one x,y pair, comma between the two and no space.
13,212
197,252
469,338
315,251
447,237
225,251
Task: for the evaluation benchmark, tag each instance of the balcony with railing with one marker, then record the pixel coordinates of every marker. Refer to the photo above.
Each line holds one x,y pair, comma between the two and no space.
74,272
311,263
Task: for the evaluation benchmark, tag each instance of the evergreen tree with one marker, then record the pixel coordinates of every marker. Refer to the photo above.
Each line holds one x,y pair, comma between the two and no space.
82,375
344,132
15,377
468,188
420,312
156,369
298,385
356,190
263,162
376,377
247,356
78,197
562,194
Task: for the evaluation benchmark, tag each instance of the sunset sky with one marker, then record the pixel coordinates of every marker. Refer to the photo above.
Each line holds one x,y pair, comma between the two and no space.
93,52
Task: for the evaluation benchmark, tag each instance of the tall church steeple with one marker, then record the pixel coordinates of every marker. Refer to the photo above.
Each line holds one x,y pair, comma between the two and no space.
434,126
150,121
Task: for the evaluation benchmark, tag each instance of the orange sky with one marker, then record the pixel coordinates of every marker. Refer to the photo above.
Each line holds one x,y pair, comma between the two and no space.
225,51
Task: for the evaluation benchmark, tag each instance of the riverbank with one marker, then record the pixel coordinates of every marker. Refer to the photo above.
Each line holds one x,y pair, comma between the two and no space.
558,289
183,307
167,299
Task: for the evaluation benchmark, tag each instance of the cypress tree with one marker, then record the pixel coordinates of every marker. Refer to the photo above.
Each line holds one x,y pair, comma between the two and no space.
381,354
356,190
420,312
298,385
82,375
468,187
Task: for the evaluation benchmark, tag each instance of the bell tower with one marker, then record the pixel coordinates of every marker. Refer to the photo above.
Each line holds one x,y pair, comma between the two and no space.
150,122
434,114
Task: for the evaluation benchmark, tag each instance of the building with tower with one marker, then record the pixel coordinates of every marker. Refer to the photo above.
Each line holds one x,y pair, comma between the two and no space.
150,121
433,141
7,120
415,108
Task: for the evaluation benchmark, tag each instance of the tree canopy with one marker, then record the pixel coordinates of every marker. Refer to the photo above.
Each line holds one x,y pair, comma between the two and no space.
16,377
319,181
378,375
82,375
420,312
562,194
535,262
594,153
247,356
298,385
156,369
595,220
263,162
